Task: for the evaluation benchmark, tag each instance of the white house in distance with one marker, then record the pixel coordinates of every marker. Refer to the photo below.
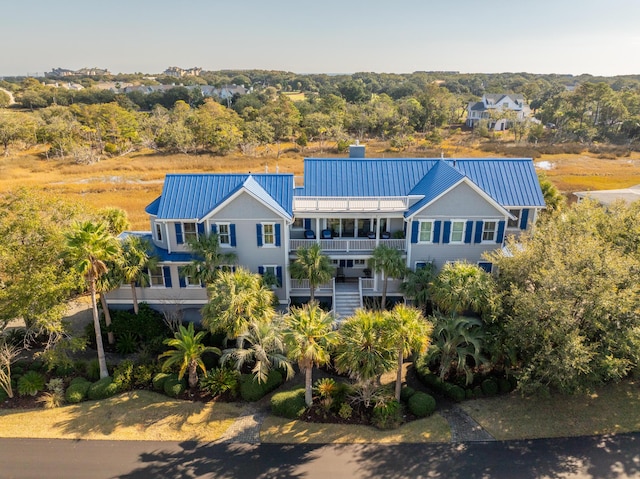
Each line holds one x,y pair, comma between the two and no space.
491,102
431,210
607,197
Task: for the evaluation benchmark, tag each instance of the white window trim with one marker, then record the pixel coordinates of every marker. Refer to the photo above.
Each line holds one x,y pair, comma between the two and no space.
158,232
184,230
495,230
264,243
151,285
464,228
228,225
188,284
519,216
362,265
265,268
420,231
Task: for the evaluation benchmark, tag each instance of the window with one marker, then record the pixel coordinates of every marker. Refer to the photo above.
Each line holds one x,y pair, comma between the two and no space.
486,266
426,232
156,277
223,234
457,231
423,264
268,234
333,224
190,232
515,222
158,232
489,231
359,263
298,223
189,281
271,275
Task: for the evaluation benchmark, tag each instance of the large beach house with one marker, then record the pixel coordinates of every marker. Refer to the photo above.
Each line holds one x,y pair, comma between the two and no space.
432,210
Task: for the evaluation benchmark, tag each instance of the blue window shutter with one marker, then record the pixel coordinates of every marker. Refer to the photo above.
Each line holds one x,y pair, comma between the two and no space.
414,231
436,231
486,266
277,228
500,232
179,238
307,223
166,271
259,234
524,217
214,229
260,269
183,282
467,232
200,228
279,275
232,234
478,237
446,232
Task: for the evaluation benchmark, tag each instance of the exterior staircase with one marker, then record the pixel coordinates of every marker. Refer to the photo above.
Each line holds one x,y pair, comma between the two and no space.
346,304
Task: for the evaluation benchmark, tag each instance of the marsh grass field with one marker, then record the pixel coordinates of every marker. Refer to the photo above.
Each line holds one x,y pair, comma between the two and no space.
131,182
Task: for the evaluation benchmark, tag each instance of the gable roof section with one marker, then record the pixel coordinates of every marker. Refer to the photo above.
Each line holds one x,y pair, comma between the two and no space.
511,182
442,177
162,254
189,196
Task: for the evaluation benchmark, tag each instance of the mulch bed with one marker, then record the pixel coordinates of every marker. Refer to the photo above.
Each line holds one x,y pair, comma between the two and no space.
21,402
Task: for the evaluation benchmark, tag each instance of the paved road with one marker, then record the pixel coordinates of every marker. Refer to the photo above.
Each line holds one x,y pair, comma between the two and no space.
614,457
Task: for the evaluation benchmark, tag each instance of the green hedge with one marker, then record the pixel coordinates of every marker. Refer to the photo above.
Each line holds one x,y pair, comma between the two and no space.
173,386
422,404
406,392
158,381
77,390
251,390
489,387
102,389
289,404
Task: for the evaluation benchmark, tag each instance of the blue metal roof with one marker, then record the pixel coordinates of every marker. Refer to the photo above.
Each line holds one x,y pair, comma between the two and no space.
162,254
193,196
440,178
509,181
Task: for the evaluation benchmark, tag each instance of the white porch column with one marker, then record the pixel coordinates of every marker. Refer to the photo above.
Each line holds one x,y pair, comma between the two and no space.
318,232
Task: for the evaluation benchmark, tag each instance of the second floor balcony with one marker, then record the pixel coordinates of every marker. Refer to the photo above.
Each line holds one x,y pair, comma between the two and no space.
348,245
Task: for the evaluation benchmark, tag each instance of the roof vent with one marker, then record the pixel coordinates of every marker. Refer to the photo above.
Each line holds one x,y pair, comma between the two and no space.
357,150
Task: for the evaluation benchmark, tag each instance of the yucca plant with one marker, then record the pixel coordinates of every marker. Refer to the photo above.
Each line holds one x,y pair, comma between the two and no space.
30,384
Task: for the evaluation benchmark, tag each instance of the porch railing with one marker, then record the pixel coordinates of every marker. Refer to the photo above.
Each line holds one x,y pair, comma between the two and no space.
347,245
342,203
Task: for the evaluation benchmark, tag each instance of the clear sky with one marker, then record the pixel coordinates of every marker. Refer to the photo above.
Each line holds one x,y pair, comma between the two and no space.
600,37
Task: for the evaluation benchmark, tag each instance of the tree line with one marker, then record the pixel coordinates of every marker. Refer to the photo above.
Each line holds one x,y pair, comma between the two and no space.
406,110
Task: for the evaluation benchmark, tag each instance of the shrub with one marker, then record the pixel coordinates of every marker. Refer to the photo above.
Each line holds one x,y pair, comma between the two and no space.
123,375
31,383
158,381
289,404
173,386
93,370
36,365
477,392
504,386
468,394
127,343
55,397
406,392
489,387
102,389
326,387
77,390
456,393
3,395
251,390
220,381
387,414
143,374
422,404
345,411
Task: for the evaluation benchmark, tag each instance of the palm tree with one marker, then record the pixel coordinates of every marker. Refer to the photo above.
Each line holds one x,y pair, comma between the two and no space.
311,264
90,247
365,350
389,262
410,332
417,286
238,298
187,353
456,340
461,287
116,219
208,257
105,283
265,351
135,263
309,336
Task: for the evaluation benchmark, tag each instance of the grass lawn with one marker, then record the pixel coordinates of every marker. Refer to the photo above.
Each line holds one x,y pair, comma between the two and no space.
611,409
279,430
138,415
